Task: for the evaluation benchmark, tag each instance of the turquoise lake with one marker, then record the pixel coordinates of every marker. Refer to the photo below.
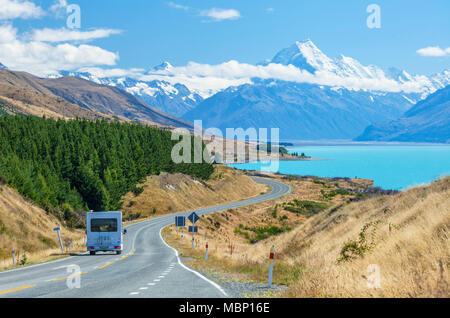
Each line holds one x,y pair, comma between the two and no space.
390,166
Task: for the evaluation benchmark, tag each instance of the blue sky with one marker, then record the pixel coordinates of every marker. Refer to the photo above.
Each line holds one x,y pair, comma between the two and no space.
179,31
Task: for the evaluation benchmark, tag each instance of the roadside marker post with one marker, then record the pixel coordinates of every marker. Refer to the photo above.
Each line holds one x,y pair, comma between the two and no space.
13,257
58,229
181,241
206,257
70,246
272,255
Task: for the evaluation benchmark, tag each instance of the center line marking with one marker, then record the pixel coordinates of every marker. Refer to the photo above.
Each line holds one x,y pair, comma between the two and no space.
70,276
142,288
105,265
134,293
16,289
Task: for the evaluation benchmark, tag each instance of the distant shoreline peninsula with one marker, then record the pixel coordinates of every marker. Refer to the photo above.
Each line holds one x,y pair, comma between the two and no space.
277,159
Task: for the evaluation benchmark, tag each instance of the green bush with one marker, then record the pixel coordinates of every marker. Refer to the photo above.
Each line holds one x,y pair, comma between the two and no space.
365,243
304,207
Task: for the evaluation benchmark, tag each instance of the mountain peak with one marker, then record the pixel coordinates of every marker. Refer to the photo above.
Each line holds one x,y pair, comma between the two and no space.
306,43
163,66
303,54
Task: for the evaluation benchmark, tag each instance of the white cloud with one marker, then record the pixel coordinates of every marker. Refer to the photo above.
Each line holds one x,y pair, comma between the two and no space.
44,59
13,9
434,51
206,79
64,35
177,6
59,7
221,14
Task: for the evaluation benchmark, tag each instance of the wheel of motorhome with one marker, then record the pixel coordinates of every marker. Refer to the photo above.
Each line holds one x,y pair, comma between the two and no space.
104,232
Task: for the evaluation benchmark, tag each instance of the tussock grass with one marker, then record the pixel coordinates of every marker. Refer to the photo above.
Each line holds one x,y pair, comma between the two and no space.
410,246
406,235
29,230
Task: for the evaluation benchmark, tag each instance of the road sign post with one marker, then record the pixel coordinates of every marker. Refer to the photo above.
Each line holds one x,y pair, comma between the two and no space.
181,240
13,257
272,255
193,217
58,229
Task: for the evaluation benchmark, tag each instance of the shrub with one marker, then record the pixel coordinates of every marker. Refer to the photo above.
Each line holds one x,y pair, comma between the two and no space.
366,243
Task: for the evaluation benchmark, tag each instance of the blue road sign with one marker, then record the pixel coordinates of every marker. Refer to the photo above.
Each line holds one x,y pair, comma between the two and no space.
193,217
180,221
193,229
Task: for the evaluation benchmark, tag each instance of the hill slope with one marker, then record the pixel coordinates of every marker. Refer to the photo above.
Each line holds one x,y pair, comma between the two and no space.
91,96
427,121
28,228
16,100
334,251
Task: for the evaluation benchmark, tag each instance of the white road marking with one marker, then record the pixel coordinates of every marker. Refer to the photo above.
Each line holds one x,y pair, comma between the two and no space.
151,284
134,293
156,280
142,288
160,276
191,270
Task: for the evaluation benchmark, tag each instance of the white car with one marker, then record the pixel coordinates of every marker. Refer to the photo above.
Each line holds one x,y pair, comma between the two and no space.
104,232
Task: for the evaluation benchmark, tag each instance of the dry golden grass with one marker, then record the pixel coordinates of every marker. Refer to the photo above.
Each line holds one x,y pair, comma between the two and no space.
411,248
29,229
170,193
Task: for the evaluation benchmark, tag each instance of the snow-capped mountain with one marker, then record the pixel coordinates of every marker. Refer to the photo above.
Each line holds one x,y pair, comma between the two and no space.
307,56
300,111
174,99
314,111
3,67
332,98
427,121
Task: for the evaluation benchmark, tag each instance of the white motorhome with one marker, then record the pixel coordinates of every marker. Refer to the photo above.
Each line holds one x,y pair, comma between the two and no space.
104,232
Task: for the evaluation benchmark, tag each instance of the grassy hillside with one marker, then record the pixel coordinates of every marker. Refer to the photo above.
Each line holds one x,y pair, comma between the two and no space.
29,229
16,100
86,94
79,165
328,254
170,193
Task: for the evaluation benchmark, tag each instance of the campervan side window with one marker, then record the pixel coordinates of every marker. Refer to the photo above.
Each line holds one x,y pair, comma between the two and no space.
103,225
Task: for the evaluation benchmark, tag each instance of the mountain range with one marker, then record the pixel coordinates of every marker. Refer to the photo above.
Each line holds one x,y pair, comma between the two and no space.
175,99
427,121
339,100
75,97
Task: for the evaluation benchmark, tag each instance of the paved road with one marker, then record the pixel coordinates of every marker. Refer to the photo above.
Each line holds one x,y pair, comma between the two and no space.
148,267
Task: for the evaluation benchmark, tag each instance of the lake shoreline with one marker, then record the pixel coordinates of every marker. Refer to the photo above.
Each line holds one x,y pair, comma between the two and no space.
279,159
397,168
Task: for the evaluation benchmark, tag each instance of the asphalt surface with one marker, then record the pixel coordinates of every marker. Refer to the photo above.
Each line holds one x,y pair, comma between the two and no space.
147,268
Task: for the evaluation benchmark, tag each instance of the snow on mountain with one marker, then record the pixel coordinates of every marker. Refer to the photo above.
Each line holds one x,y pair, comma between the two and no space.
174,99
178,90
307,56
3,67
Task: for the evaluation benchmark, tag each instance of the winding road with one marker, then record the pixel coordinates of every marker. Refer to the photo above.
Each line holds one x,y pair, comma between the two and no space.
148,267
